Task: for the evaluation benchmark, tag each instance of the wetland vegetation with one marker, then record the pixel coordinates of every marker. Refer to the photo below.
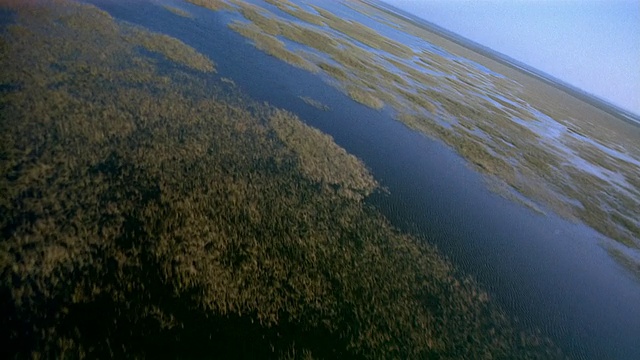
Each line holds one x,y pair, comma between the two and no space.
178,11
314,103
147,212
271,45
211,4
561,153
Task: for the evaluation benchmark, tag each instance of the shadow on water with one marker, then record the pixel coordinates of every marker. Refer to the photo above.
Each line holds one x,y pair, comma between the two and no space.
545,271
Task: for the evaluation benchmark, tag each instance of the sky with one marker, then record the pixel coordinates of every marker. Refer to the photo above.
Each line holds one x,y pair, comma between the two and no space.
593,45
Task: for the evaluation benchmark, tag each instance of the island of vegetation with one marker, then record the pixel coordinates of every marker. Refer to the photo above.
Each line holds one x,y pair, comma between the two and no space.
147,213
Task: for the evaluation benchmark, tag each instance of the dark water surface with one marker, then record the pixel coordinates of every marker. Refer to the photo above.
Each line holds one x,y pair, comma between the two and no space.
547,272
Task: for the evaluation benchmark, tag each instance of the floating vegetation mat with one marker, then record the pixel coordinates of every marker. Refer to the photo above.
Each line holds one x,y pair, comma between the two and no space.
147,213
548,149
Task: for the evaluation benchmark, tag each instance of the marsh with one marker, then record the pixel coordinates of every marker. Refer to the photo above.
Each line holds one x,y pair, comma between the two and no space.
285,200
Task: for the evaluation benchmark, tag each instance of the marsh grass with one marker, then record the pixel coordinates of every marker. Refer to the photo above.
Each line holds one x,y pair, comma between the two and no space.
364,34
271,45
365,97
512,152
178,11
420,78
172,48
420,101
146,213
629,263
517,110
498,186
314,103
296,11
351,58
264,26
260,17
334,71
322,160
215,5
272,25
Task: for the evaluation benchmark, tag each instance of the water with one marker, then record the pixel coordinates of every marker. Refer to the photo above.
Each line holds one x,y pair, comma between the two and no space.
545,271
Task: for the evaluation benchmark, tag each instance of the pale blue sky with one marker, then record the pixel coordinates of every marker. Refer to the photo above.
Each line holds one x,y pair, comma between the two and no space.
591,44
